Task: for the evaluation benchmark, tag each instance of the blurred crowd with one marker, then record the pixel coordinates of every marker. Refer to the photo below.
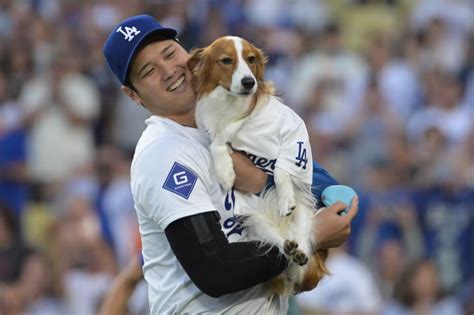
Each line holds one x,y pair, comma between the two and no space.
386,89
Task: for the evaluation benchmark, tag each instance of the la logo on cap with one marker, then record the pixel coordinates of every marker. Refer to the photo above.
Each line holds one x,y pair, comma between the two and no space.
129,33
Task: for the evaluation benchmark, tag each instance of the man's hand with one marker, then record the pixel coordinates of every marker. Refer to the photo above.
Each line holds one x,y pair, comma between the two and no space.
332,230
248,177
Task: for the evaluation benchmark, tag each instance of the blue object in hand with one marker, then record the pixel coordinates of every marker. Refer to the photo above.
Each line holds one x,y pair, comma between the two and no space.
336,193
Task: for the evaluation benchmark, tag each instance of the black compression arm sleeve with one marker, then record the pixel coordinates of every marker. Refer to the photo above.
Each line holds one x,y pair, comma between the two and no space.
216,266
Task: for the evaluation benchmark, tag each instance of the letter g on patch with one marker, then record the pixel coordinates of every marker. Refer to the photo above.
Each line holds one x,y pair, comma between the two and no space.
180,178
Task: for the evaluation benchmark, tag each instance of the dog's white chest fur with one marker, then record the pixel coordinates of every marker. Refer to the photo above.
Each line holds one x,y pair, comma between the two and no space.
218,112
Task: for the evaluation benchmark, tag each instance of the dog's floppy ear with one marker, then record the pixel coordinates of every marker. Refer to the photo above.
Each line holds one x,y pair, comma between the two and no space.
198,71
196,58
262,59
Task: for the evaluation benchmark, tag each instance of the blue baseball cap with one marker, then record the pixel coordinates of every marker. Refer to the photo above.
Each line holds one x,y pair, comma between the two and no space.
123,42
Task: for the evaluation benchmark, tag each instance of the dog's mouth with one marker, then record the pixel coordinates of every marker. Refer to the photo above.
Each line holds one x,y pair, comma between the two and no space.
246,93
241,93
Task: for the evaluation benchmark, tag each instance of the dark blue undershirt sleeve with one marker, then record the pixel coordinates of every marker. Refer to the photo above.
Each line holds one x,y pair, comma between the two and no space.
321,180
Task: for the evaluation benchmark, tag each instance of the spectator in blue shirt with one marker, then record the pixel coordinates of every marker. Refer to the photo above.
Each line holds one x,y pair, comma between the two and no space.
13,173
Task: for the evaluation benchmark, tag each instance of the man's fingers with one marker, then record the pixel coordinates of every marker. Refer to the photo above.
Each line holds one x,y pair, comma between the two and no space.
336,207
351,213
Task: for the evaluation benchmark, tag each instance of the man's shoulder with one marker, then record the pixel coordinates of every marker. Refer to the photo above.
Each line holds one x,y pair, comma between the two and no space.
159,148
156,133
160,143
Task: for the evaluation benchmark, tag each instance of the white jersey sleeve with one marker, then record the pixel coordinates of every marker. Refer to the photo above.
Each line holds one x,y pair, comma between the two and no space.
295,154
171,180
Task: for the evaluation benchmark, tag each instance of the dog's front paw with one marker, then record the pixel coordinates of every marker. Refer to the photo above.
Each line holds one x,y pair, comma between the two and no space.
225,172
289,247
286,203
300,258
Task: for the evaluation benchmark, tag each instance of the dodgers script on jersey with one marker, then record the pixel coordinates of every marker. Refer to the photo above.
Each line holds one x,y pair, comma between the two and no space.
172,176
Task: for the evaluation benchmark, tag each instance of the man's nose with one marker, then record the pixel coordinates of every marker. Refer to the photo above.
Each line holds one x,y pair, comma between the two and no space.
248,82
167,72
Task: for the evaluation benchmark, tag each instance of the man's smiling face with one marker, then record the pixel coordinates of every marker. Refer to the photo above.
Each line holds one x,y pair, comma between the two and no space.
161,78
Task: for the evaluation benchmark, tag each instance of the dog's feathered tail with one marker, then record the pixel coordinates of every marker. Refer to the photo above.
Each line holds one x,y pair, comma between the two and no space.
315,271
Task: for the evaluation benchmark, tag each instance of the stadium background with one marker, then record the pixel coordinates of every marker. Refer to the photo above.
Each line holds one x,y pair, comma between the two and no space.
386,89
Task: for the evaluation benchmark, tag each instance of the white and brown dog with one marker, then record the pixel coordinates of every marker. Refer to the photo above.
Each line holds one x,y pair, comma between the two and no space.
237,107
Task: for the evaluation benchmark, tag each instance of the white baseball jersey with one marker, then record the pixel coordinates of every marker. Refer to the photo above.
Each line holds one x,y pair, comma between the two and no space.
172,176
274,136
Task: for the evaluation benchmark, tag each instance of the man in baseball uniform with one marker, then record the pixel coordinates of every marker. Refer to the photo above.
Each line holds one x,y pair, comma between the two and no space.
185,225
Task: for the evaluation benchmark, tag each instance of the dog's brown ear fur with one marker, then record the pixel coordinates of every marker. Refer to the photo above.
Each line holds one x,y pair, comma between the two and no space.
262,59
195,59
195,65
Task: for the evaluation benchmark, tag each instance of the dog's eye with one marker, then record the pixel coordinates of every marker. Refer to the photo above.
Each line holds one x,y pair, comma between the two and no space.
251,60
226,61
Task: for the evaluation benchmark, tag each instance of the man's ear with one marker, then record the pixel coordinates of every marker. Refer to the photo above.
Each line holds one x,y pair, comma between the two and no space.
195,59
132,95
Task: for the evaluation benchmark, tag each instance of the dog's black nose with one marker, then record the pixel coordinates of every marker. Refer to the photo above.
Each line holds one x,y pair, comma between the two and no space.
248,82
